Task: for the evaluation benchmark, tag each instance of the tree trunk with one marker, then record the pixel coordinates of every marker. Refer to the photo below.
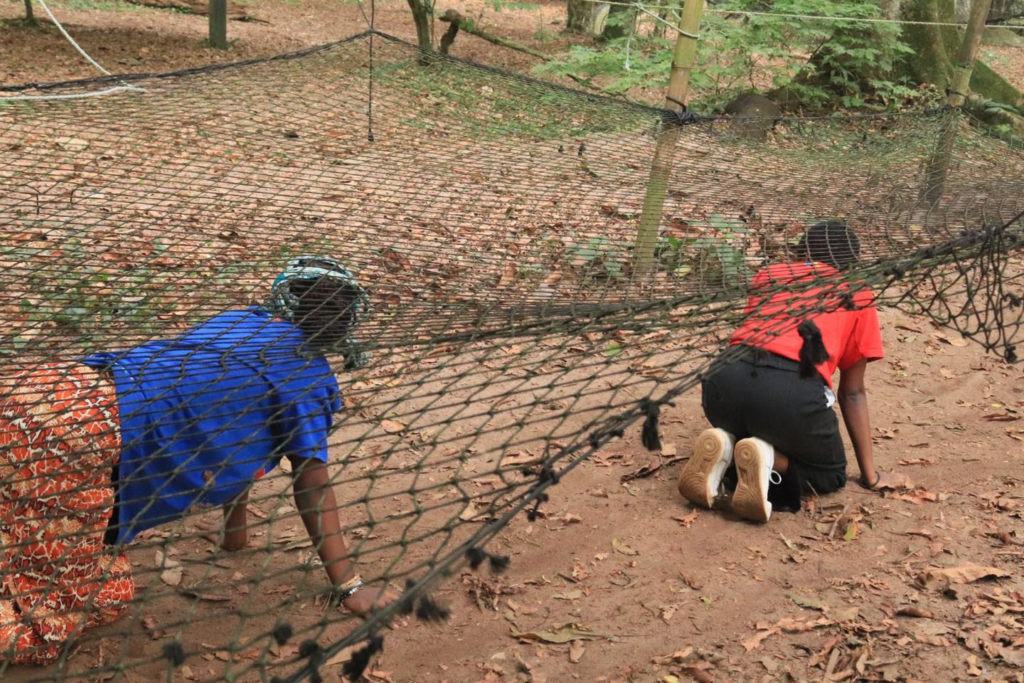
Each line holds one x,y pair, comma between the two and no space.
29,16
935,49
967,53
933,45
619,23
578,16
422,13
457,22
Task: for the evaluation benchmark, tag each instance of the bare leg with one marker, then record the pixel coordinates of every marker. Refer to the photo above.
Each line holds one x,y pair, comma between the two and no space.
781,463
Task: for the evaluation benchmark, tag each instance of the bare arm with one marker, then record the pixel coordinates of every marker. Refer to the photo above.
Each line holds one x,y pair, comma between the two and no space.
853,401
315,501
318,508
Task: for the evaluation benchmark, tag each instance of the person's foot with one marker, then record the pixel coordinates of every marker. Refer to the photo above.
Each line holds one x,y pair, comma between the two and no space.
702,475
754,461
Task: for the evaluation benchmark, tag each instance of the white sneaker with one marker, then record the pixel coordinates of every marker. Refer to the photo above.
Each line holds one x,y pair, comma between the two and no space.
702,475
755,459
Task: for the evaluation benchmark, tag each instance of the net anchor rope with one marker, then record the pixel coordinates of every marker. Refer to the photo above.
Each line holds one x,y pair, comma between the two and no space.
787,15
85,55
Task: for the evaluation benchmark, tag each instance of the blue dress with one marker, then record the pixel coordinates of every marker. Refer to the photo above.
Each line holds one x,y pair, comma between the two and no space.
207,413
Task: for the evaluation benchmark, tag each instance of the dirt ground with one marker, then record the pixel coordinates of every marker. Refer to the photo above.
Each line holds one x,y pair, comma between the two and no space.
669,590
127,38
643,587
656,591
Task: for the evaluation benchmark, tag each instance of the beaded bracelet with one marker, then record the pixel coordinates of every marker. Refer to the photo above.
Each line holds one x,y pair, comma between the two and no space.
347,589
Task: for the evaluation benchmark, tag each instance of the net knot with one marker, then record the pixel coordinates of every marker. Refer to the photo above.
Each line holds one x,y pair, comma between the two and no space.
477,556
174,653
310,650
282,633
548,475
1014,300
683,117
649,435
895,272
535,511
598,438
429,610
355,667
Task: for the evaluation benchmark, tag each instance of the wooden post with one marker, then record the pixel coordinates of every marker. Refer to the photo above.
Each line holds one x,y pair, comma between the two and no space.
661,167
938,165
219,24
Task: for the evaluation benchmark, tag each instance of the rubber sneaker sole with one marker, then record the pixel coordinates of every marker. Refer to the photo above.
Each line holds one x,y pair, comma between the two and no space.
750,500
703,472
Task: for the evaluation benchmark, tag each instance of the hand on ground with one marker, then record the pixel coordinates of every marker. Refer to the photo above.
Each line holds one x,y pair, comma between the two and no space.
891,481
365,600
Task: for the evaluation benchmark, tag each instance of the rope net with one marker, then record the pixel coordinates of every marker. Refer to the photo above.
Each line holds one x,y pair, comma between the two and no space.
510,334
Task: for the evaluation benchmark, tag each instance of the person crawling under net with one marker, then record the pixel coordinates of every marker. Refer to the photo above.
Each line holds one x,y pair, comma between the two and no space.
96,451
769,396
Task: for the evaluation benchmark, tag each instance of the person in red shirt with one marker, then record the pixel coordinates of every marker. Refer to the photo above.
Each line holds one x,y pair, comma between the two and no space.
769,396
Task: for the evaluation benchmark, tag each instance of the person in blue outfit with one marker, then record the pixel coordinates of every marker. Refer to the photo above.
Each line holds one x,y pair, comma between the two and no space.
145,436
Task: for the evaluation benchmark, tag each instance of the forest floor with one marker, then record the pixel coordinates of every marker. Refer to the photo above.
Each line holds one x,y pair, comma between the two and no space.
859,586
127,38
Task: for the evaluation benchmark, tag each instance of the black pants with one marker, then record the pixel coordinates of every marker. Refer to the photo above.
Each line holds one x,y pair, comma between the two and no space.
762,395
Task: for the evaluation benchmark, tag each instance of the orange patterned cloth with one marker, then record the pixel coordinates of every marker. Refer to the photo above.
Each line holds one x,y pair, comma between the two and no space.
59,443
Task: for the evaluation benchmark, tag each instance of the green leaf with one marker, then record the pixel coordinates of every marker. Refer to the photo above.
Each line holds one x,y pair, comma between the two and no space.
613,349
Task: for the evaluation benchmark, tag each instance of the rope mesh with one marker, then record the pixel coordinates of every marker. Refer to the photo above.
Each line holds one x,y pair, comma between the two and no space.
491,218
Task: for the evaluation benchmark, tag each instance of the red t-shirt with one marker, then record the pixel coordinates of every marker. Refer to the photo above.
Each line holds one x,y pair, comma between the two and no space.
849,335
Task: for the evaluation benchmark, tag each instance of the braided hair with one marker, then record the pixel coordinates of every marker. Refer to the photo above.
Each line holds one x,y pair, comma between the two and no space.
830,242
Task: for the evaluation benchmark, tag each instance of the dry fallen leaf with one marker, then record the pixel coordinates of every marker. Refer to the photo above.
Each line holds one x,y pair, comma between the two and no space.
392,426
576,651
570,595
171,571
754,642
935,578
687,520
621,547
785,625
566,633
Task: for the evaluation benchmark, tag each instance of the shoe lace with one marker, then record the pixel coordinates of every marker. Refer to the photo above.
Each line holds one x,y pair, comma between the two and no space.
775,478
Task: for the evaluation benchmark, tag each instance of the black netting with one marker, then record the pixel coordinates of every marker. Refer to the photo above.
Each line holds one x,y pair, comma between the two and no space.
514,326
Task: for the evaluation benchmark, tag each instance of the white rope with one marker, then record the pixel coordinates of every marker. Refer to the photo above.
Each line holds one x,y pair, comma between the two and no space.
672,26
813,17
85,55
73,96
862,20
42,3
